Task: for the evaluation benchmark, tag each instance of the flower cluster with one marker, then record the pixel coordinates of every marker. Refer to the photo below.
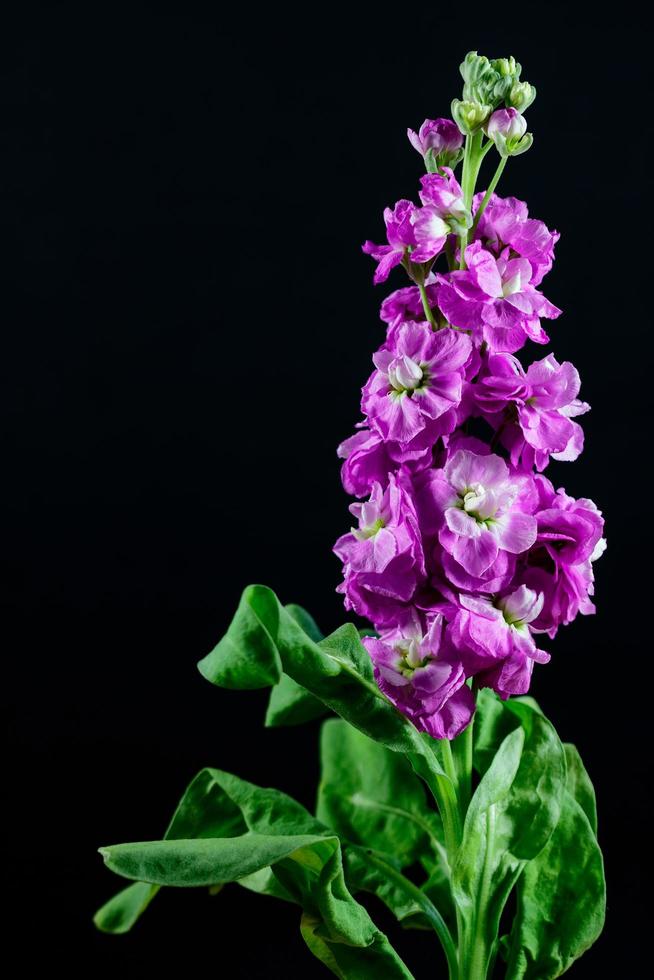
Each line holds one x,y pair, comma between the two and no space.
464,553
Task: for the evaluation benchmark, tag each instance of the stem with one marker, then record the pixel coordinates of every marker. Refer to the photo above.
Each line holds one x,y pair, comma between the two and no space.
429,313
479,953
448,763
428,908
473,156
463,756
487,196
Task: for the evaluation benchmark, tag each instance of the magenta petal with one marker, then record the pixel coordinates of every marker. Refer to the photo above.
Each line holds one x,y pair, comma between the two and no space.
476,554
516,532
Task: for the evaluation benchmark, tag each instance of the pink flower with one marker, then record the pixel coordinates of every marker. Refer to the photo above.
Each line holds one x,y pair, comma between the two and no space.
495,639
411,397
369,460
495,299
477,506
423,680
382,559
560,563
533,410
400,235
506,222
438,141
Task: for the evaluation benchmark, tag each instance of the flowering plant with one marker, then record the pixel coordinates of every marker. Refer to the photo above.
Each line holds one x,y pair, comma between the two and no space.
464,559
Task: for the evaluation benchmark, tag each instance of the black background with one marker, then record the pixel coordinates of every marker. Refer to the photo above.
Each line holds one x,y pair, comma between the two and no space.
188,319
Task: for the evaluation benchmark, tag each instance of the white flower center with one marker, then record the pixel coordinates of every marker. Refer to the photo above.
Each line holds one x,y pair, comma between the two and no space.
405,374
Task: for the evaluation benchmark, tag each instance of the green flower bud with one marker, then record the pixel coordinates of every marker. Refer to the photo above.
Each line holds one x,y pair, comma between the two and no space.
479,78
507,68
469,115
521,96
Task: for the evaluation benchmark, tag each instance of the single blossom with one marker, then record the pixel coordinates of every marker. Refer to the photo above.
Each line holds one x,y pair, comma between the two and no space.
506,223
495,299
368,459
507,128
422,679
440,138
560,563
480,510
411,397
400,236
532,410
442,194
383,561
495,639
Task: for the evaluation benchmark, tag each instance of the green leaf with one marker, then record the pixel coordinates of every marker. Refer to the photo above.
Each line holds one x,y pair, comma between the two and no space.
579,785
269,844
291,704
511,816
561,893
350,963
264,640
119,914
370,796
217,804
372,799
309,867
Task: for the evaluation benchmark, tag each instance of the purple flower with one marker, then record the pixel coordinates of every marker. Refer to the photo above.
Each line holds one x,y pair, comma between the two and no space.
382,559
495,639
508,130
495,299
533,410
477,506
442,193
569,540
422,679
369,460
506,222
406,304
400,235
411,397
438,141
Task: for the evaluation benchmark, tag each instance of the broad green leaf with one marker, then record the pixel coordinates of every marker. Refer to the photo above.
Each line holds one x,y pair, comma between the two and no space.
579,785
264,640
291,704
350,963
269,844
512,813
370,796
561,900
216,804
309,868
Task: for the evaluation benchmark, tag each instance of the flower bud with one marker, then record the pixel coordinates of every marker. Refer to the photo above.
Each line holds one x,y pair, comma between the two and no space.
507,129
440,143
507,67
479,78
521,96
469,116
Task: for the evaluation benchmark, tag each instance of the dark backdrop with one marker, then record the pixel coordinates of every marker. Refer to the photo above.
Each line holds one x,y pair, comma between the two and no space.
188,319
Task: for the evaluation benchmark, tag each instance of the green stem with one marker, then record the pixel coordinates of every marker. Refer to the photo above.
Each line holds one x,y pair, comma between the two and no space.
448,763
473,156
487,196
427,907
429,313
479,953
